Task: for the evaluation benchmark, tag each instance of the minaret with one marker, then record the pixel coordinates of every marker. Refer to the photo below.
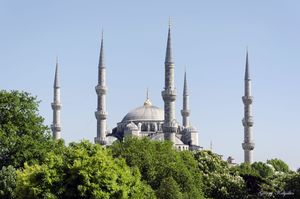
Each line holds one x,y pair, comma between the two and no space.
169,94
185,112
101,90
56,106
248,144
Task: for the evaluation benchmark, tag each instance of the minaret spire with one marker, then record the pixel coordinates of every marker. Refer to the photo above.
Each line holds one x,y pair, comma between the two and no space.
185,112
169,57
248,144
247,73
56,105
101,90
169,94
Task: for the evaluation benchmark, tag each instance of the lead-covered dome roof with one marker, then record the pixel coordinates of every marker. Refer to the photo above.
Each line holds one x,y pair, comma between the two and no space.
145,113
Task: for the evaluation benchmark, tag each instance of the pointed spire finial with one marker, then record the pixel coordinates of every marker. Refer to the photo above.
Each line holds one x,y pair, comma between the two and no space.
185,87
147,93
148,101
247,74
101,58
56,78
169,58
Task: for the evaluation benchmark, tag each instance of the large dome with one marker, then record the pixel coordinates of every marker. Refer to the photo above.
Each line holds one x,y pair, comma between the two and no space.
145,113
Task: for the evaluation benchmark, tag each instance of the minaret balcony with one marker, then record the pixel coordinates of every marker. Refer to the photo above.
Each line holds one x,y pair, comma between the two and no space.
169,95
55,127
171,127
248,122
248,146
102,115
185,112
100,89
247,99
56,106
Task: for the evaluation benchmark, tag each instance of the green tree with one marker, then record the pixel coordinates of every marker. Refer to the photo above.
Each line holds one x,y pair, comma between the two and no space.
158,161
279,165
23,136
264,170
81,171
219,180
7,182
169,189
293,185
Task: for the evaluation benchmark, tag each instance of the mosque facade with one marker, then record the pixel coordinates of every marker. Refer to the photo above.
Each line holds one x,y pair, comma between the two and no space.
148,120
151,121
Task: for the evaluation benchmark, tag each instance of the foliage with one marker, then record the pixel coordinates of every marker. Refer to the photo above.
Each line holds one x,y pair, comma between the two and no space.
7,182
169,189
82,170
245,169
293,185
23,136
264,170
218,180
158,161
279,165
252,175
210,162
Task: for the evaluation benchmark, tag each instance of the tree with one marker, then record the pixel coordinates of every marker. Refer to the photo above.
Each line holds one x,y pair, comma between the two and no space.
158,161
293,185
279,165
23,136
264,170
81,171
169,189
219,181
7,182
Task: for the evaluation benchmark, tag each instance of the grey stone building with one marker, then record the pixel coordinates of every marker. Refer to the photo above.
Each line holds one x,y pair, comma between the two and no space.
149,120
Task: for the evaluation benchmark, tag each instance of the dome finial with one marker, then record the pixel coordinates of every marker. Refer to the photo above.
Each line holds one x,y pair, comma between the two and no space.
147,102
147,93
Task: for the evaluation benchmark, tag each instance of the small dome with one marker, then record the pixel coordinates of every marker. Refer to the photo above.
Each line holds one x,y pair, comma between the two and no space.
132,126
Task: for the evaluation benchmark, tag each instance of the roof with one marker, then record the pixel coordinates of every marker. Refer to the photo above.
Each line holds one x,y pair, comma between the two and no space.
147,112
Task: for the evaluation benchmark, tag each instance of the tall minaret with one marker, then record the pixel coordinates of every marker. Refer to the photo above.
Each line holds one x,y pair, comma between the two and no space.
169,94
56,106
248,144
101,90
185,112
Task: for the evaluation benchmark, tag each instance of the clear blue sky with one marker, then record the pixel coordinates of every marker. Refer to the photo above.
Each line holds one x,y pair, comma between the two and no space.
209,38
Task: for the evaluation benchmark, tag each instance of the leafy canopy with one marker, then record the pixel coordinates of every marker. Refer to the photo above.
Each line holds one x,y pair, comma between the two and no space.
159,163
23,136
218,180
84,171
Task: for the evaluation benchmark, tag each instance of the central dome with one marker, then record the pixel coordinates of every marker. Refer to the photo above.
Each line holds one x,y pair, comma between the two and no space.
145,113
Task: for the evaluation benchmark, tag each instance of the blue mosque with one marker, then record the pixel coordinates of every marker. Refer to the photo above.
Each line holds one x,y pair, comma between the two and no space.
148,120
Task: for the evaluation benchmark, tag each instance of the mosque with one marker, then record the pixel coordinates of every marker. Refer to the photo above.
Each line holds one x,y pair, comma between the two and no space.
149,120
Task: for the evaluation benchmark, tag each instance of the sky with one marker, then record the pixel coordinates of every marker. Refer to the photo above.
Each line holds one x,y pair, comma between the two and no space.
209,39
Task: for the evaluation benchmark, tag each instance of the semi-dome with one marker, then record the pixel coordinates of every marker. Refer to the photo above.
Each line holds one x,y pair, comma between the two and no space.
147,112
